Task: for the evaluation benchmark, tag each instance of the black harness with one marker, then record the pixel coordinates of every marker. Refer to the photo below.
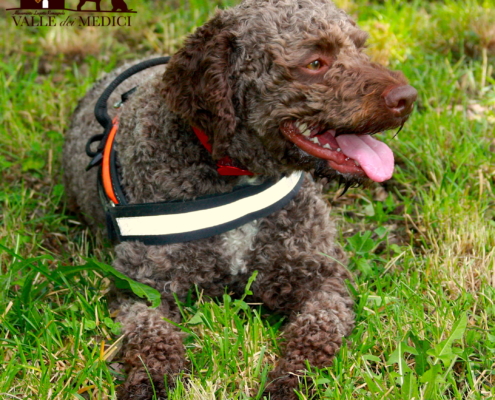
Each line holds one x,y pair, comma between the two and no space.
174,221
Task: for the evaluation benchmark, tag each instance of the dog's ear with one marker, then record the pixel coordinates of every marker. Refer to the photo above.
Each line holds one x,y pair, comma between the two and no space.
198,86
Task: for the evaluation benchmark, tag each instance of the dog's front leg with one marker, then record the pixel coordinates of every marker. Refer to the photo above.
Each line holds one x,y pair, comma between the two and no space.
313,335
153,350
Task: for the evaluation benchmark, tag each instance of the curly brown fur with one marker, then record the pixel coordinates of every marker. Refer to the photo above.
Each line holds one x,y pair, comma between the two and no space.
244,79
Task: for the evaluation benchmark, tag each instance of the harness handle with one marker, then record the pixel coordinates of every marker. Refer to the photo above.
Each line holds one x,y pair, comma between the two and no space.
101,112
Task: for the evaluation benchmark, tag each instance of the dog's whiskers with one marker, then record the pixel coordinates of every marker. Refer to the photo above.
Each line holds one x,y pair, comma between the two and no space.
400,128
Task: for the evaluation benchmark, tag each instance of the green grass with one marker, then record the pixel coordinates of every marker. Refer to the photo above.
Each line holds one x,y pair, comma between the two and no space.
421,246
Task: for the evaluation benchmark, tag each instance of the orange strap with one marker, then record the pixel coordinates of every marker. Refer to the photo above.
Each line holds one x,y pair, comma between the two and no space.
224,166
105,167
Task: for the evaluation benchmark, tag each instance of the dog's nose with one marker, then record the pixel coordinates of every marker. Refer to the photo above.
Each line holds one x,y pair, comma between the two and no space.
400,99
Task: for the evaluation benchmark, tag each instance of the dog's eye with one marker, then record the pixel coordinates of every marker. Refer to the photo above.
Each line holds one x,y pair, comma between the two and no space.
314,65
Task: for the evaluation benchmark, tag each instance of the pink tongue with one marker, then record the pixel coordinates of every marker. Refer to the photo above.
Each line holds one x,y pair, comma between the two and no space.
375,157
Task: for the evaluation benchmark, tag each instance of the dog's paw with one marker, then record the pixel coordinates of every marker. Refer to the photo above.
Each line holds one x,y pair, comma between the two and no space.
139,387
282,388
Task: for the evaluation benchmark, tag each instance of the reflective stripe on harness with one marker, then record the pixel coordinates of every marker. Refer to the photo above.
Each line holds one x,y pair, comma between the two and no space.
184,221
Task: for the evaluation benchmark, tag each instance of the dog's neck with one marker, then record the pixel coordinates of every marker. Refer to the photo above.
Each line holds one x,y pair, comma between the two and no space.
164,159
226,166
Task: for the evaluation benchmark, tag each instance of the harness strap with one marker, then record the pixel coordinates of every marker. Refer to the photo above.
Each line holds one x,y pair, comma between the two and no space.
101,112
177,221
106,174
183,221
225,166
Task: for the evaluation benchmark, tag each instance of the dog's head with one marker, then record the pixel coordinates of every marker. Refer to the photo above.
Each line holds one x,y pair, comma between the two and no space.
284,85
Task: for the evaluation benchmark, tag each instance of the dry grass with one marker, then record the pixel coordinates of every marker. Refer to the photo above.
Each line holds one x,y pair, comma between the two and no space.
461,245
75,44
483,26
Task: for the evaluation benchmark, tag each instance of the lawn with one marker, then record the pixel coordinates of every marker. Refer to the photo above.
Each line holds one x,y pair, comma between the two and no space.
421,246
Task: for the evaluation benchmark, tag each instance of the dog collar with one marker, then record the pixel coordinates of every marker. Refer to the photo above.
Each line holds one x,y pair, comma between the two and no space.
225,166
177,221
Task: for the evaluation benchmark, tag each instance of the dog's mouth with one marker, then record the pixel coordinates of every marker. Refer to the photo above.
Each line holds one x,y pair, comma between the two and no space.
354,154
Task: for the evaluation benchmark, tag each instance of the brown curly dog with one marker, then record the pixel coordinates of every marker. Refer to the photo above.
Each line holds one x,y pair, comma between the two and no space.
278,86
